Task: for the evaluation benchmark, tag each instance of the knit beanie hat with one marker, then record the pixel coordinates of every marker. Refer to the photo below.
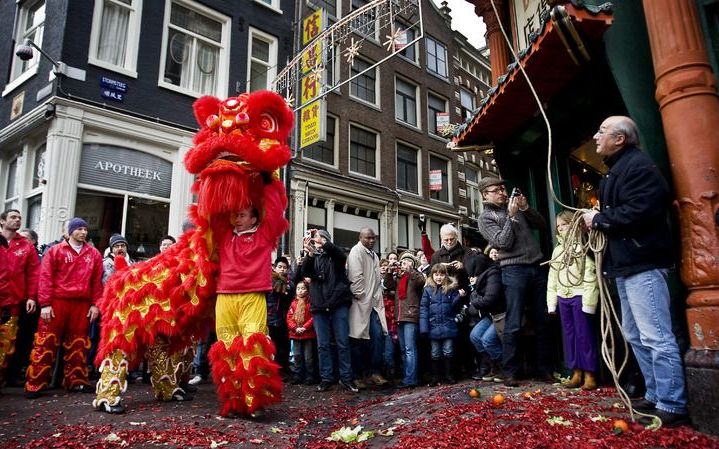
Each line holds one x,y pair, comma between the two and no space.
324,233
409,256
75,223
117,238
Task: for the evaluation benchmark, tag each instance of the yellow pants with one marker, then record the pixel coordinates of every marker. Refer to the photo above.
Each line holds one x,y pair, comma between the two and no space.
240,314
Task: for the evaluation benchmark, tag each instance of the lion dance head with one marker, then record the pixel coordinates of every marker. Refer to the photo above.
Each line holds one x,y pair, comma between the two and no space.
241,142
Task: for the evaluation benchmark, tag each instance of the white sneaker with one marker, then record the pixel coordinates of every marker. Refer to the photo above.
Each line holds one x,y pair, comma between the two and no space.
195,380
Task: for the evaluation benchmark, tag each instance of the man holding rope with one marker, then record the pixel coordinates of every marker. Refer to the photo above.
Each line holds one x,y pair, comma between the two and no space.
634,197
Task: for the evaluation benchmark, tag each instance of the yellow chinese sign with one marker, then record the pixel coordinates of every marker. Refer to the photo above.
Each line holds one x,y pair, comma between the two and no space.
312,26
310,88
312,123
312,57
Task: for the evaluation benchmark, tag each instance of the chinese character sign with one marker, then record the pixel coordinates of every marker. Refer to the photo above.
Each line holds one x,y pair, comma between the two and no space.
312,26
312,119
527,13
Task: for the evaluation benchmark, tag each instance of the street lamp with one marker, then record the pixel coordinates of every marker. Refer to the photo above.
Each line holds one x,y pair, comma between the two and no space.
24,52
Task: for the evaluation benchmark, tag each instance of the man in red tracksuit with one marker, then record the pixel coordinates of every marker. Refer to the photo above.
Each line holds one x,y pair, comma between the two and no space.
70,285
22,269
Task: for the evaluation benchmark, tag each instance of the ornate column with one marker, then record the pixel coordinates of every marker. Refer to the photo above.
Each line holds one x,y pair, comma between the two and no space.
689,106
64,149
498,50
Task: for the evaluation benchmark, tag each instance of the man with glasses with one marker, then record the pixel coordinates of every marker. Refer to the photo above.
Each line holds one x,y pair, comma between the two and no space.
634,198
507,224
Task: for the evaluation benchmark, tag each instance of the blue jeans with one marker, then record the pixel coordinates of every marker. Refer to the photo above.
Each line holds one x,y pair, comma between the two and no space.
389,352
407,333
647,326
336,322
303,359
374,347
525,286
485,339
443,347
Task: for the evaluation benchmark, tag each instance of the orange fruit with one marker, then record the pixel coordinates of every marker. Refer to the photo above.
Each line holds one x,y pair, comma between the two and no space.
498,399
620,426
474,393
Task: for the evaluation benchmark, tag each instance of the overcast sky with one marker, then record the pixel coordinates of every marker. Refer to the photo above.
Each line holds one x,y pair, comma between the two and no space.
466,21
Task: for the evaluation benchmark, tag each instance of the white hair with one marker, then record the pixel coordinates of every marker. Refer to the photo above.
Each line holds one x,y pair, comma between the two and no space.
448,229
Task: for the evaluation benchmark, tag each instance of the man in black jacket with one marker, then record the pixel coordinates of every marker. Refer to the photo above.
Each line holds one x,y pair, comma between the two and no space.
634,198
330,299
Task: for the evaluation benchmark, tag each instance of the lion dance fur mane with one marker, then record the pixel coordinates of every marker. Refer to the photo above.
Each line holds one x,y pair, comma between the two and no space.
159,307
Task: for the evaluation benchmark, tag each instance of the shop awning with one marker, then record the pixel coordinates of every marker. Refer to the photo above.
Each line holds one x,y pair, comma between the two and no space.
556,54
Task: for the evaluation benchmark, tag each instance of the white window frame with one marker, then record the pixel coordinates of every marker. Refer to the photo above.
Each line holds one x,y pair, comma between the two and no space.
473,193
377,93
19,37
417,113
471,96
418,193
255,33
335,146
437,44
413,46
12,202
378,162
133,41
273,5
223,57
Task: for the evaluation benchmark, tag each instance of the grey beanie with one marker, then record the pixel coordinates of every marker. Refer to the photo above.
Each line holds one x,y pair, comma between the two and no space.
324,233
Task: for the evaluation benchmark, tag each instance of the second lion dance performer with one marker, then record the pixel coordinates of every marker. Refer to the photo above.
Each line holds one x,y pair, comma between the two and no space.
161,304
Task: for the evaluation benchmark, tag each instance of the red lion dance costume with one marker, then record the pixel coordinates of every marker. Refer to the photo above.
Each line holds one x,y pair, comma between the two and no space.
159,306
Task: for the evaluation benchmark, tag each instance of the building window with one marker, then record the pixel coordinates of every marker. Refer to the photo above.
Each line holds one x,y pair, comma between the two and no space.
471,177
435,105
436,57
274,4
365,24
11,186
467,102
262,60
324,151
115,35
363,86
405,102
363,151
407,168
39,174
402,231
328,5
437,163
409,52
194,59
31,24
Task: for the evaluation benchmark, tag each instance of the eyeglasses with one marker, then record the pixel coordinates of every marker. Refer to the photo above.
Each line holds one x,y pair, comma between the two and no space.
497,190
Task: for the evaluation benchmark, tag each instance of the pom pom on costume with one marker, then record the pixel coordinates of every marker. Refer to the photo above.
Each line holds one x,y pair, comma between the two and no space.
169,300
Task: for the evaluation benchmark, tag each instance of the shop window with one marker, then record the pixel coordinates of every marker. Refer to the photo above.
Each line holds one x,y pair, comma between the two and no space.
363,85
34,204
439,164
407,168
402,231
324,151
30,25
115,35
363,151
435,105
262,60
194,54
405,102
467,102
436,57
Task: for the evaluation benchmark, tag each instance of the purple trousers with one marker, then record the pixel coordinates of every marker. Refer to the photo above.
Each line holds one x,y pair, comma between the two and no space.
580,347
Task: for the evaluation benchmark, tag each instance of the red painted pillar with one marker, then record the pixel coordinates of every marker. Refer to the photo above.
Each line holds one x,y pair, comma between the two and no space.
498,49
689,106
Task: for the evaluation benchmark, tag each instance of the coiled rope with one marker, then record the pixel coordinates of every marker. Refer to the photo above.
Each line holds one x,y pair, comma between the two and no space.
577,244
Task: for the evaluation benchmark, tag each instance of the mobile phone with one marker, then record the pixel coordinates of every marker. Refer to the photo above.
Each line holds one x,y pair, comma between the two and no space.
516,192
421,217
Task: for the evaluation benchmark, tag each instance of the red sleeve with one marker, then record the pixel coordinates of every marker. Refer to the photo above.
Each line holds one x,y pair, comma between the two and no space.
291,325
308,323
32,275
274,223
96,281
47,273
427,246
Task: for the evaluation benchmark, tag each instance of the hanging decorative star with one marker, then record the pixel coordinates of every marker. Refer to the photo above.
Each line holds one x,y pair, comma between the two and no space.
290,100
392,39
316,72
352,51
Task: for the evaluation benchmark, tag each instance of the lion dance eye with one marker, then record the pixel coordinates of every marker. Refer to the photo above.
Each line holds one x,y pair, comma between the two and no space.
268,123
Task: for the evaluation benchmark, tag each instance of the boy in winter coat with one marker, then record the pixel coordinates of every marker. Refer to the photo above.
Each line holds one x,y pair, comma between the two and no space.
278,302
438,308
302,334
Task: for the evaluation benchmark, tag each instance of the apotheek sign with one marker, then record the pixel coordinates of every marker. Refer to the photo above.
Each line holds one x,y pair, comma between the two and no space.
125,169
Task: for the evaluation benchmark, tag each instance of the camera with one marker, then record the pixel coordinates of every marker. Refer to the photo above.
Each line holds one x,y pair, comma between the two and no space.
461,316
421,218
516,192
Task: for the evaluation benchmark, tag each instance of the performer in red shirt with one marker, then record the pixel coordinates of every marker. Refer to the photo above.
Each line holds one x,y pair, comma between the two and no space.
70,285
21,270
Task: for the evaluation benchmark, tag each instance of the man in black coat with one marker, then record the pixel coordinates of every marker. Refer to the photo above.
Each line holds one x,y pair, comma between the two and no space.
634,198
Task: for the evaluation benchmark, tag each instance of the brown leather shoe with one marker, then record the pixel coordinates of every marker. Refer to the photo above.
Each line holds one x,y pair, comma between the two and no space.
590,383
575,381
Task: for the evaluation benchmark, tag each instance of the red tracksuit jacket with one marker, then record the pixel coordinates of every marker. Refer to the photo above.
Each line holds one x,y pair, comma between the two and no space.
22,266
66,274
